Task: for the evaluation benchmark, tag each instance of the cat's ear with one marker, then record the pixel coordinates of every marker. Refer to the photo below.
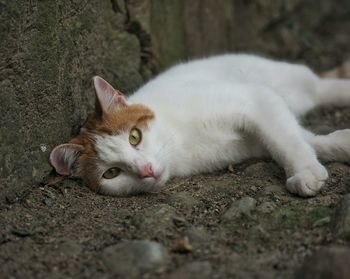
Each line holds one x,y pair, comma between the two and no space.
63,158
108,99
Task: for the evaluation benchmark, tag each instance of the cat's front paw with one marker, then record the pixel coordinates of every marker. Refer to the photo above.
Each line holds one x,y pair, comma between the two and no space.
308,182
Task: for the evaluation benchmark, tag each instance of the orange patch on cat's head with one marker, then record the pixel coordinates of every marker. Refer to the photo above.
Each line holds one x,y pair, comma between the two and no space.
122,120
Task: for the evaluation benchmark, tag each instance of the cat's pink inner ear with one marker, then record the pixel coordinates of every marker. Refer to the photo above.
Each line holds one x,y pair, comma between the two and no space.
64,156
109,98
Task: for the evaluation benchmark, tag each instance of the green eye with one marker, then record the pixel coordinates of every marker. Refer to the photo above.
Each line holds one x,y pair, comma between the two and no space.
111,173
135,136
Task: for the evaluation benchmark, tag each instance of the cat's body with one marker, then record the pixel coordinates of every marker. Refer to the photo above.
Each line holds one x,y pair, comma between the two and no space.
202,116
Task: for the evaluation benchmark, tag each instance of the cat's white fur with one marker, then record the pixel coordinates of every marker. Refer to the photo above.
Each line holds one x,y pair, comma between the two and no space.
225,109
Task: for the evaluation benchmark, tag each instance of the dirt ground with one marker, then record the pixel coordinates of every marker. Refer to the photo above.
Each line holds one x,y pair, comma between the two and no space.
60,229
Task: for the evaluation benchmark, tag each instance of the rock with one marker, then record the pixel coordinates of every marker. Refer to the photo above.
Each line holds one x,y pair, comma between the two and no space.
70,248
322,129
266,207
48,201
231,168
341,223
327,263
157,220
194,270
198,235
259,168
222,186
244,206
22,232
182,245
184,199
274,189
132,258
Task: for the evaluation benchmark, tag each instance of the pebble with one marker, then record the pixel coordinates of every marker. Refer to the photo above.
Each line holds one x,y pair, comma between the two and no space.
130,259
185,199
258,169
48,201
341,223
327,263
274,189
266,207
198,235
70,248
231,168
244,206
157,220
22,232
322,129
182,245
194,270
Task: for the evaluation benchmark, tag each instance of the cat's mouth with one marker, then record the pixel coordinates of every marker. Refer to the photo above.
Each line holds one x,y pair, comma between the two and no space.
157,177
149,174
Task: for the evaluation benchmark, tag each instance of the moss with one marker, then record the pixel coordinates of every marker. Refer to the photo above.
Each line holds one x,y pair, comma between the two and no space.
292,217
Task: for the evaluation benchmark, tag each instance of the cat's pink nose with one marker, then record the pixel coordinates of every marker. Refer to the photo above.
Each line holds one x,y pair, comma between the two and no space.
147,171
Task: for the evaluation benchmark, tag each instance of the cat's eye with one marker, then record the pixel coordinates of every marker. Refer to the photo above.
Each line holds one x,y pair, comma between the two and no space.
111,173
135,136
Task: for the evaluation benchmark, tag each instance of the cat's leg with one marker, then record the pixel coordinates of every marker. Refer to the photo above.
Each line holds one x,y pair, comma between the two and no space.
278,130
303,90
334,87
333,91
332,147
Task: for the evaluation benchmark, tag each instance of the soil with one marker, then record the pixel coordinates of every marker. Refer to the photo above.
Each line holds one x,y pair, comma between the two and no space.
60,228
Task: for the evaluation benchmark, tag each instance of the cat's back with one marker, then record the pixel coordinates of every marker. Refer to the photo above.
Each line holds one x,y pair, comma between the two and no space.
234,68
204,83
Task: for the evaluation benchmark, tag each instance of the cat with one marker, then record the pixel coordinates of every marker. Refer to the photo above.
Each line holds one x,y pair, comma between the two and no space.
201,116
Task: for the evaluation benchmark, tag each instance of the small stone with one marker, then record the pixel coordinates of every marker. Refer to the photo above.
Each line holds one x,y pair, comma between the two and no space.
182,245
194,270
179,222
266,207
253,189
183,199
157,220
341,224
130,259
259,168
70,248
322,129
231,168
327,263
244,206
48,201
22,232
198,235
274,189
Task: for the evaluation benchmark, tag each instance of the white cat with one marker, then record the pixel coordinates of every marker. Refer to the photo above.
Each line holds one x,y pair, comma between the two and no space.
201,116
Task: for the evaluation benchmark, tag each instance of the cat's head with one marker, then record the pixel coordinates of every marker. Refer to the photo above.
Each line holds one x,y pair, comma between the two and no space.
116,152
